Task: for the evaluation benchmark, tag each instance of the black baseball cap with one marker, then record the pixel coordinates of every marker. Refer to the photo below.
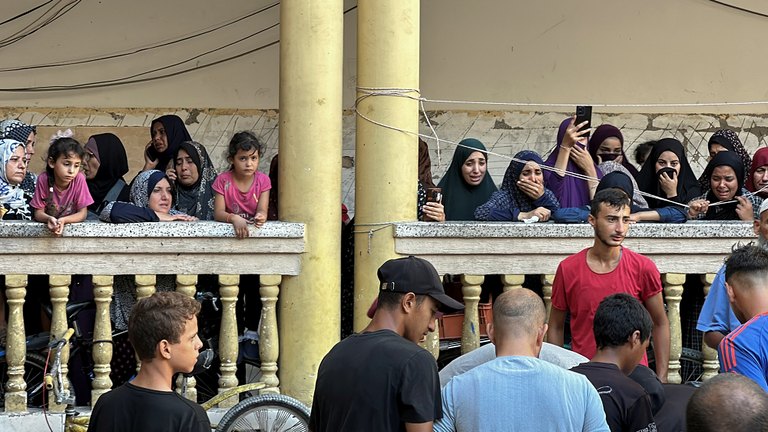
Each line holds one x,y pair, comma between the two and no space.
416,275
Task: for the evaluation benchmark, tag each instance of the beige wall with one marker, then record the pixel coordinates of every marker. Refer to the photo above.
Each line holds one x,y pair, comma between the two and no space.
601,51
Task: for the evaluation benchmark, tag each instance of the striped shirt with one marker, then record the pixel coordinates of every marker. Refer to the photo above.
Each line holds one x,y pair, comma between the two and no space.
745,350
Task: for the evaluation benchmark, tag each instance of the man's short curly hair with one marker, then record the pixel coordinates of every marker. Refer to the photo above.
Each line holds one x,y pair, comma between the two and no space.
159,317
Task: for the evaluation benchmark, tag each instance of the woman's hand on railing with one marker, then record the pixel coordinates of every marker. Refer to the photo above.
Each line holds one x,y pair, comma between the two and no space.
165,217
542,213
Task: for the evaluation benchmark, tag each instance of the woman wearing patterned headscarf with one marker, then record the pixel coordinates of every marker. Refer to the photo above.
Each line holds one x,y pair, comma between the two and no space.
726,140
14,201
151,201
193,175
25,134
168,132
522,194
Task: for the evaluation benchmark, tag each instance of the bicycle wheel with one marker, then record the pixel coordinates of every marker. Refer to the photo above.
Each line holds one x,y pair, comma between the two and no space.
266,413
34,374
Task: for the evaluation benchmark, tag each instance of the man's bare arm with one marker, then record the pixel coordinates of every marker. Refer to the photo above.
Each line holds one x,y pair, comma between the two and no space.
556,326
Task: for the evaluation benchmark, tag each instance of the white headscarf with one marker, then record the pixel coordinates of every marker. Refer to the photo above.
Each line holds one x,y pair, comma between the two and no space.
12,195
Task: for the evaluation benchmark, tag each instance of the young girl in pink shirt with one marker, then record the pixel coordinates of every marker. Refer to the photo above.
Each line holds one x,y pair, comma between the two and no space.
61,194
242,194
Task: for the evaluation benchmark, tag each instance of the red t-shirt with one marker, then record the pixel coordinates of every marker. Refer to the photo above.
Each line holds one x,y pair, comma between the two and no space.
578,289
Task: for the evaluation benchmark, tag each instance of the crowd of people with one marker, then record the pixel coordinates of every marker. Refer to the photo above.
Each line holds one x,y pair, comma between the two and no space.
379,379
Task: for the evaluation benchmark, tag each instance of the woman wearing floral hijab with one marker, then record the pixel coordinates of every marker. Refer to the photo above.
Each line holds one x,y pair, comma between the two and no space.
726,140
14,200
25,134
193,175
151,201
522,194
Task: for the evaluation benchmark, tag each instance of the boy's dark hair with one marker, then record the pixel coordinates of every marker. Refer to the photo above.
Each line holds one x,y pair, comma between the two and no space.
389,300
247,141
747,260
728,402
612,197
642,150
617,317
161,316
62,147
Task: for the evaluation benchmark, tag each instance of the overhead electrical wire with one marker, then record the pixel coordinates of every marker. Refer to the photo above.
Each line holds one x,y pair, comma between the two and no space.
24,13
739,8
133,51
19,35
129,80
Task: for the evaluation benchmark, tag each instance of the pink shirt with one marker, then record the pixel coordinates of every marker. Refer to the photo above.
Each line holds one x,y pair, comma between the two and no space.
63,203
237,202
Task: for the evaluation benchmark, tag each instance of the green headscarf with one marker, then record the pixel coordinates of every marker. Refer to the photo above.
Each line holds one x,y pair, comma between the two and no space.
459,198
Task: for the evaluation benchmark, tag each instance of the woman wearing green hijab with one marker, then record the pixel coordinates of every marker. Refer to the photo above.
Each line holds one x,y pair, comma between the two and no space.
465,185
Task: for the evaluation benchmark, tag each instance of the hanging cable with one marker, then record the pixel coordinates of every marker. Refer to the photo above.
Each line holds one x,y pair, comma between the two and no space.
58,14
24,13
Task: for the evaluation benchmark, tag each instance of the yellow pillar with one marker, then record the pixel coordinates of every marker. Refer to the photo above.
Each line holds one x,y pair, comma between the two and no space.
386,165
15,387
311,45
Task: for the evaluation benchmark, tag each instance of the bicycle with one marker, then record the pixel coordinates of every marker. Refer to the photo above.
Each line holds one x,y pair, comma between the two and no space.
265,413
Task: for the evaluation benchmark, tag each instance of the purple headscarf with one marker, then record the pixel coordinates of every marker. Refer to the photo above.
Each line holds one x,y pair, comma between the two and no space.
570,191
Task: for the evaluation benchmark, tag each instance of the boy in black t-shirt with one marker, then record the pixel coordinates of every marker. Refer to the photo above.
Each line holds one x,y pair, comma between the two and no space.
163,331
622,328
380,379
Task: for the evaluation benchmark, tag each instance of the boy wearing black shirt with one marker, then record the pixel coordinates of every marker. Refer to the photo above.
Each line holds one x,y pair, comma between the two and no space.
622,328
380,379
163,331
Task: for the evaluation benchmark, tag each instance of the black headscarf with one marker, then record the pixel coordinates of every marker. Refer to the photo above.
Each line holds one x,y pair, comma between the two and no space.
197,200
725,211
728,139
113,166
648,180
175,132
618,179
459,198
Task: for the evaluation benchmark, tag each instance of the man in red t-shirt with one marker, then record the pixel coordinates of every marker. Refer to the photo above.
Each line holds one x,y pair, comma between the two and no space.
583,280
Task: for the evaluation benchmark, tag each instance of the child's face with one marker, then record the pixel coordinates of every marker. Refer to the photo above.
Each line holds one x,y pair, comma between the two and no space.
16,168
160,199
65,168
245,162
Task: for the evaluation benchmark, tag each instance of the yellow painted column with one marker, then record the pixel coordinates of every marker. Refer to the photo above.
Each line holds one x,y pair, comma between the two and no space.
59,296
386,161
15,387
311,45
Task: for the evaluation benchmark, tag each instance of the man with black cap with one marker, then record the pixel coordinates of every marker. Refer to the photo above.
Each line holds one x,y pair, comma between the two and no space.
380,379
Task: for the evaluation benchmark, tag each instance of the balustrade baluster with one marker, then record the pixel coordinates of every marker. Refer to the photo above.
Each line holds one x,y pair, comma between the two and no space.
547,280
269,342
187,285
59,291
16,348
145,286
673,294
512,282
711,363
228,348
102,337
470,334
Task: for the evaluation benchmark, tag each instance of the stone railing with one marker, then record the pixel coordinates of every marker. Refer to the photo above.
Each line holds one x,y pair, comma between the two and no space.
513,250
185,249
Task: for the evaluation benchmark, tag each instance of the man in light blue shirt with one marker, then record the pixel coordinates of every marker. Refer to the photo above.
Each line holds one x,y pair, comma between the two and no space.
517,391
716,319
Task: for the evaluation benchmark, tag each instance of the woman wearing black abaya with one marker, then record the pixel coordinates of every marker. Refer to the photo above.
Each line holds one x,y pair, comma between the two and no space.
104,165
726,185
667,174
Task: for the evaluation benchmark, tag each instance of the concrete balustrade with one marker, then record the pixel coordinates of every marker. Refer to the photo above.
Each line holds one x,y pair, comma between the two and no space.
514,250
146,250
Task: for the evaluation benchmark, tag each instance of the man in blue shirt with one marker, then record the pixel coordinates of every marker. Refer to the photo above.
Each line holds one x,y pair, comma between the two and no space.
745,350
516,390
717,319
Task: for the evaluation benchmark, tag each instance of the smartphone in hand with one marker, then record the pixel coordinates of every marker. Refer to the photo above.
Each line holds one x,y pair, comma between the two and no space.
584,114
152,153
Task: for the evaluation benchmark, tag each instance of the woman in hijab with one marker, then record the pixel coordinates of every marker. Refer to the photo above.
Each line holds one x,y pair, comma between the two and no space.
610,166
151,201
726,140
607,143
193,174
168,132
14,200
104,165
25,134
667,174
758,175
726,185
625,183
465,186
522,194
571,155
